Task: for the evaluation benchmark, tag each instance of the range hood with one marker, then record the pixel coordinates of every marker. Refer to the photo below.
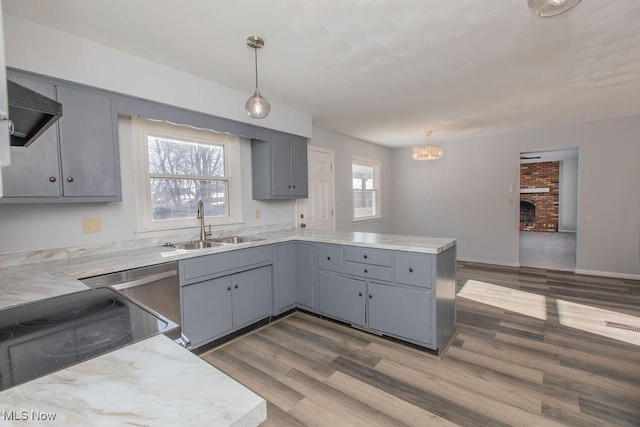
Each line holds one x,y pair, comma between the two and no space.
30,112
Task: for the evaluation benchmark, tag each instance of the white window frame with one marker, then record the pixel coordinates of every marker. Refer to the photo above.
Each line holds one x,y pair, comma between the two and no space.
141,129
377,181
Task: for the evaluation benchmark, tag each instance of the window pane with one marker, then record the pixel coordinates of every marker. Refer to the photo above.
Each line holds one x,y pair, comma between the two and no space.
363,177
177,157
178,198
364,203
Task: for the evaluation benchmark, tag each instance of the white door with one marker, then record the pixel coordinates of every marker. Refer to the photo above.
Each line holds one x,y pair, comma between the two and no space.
316,212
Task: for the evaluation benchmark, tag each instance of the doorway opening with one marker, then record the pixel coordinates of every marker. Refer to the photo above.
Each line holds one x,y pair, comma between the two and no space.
549,209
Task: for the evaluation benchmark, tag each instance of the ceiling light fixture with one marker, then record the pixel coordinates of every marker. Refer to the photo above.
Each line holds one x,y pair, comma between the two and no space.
428,151
547,8
257,106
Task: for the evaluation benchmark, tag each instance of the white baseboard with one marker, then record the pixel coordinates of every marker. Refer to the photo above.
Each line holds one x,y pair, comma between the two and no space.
608,274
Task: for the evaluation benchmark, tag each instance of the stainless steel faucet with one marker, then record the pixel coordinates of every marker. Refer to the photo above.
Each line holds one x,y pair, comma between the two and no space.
200,216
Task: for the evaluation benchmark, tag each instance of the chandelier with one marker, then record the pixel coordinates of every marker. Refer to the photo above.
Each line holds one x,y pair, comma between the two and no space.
428,151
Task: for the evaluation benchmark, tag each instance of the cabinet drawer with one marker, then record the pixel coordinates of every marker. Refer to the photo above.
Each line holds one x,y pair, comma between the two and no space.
368,256
367,270
330,258
414,270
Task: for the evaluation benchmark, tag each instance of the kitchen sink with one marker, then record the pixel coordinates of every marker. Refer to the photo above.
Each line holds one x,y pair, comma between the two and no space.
197,244
234,240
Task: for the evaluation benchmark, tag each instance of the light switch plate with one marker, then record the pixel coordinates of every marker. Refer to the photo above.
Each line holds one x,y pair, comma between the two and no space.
91,225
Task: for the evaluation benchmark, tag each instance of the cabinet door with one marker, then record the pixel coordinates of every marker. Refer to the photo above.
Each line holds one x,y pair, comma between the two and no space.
299,167
206,309
280,165
35,171
304,274
342,298
251,295
287,280
88,144
405,313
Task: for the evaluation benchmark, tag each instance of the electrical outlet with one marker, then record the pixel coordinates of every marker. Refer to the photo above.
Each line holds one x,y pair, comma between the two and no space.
91,225
257,215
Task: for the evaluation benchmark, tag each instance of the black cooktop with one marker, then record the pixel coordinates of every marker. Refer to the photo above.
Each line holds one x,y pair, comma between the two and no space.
45,336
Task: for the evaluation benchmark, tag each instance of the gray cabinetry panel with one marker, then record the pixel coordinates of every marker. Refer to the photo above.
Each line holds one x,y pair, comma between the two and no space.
286,289
368,256
331,258
416,270
304,275
88,152
342,298
206,309
299,167
279,167
204,267
368,270
402,312
76,159
251,295
35,170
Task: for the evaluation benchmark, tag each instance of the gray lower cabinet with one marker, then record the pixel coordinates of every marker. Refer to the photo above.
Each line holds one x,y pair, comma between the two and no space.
76,159
279,167
409,296
402,312
206,309
251,296
294,282
342,298
213,308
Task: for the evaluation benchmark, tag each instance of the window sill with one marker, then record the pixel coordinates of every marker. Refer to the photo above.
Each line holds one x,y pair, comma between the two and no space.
366,220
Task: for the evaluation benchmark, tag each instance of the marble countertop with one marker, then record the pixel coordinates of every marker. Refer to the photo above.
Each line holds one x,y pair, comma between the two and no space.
150,383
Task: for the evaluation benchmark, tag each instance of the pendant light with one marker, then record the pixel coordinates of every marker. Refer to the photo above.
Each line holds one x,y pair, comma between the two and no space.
428,151
547,8
257,106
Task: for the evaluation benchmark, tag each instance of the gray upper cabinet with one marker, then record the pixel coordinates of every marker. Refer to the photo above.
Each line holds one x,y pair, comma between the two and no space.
88,144
35,171
76,159
279,167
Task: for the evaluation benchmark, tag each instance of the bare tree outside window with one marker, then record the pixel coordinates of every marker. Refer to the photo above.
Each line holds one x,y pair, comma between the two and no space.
182,172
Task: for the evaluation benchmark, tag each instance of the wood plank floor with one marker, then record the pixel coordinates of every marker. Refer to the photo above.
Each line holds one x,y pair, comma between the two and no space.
503,367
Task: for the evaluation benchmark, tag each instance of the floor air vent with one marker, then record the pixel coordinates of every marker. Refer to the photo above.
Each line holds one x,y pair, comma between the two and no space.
621,326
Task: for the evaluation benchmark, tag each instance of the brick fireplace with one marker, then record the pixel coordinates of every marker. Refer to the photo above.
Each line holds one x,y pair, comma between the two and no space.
539,205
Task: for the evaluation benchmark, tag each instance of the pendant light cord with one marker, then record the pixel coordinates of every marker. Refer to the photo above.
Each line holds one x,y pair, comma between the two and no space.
255,51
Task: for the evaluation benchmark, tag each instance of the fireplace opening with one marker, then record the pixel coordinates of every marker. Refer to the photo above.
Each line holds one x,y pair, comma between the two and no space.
527,212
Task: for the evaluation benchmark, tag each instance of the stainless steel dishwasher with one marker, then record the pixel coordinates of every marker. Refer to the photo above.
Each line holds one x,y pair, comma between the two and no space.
155,287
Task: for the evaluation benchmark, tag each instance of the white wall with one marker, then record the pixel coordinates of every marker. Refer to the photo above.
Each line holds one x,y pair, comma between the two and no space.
466,194
47,226
344,147
43,50
568,195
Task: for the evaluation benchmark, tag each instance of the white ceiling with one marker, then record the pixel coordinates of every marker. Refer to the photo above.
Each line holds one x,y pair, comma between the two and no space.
386,70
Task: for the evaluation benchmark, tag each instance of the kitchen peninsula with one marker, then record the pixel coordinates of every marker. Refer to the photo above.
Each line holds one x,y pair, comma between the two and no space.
392,277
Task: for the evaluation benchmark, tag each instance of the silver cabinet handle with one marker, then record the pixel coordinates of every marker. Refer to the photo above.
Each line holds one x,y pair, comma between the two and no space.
69,179
52,179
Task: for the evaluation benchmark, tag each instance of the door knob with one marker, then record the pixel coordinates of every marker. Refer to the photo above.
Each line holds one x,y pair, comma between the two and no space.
303,225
